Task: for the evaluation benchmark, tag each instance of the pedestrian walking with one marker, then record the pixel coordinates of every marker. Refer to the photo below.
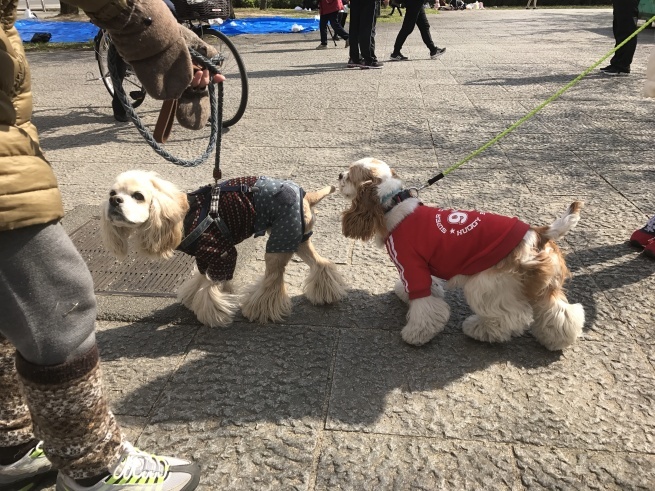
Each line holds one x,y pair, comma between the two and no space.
415,16
329,10
533,3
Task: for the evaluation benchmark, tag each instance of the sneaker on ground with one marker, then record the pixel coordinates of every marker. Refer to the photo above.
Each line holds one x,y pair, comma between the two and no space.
644,236
614,70
437,52
641,238
140,471
354,64
30,467
649,250
398,57
372,64
321,46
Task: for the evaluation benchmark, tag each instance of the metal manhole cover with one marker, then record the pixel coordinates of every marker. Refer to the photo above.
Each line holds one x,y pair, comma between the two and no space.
135,275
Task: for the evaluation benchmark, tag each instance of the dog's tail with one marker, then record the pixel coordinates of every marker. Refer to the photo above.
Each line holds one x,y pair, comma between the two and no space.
314,197
563,224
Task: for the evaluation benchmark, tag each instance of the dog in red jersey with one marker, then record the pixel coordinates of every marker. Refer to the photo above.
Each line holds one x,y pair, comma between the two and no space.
512,273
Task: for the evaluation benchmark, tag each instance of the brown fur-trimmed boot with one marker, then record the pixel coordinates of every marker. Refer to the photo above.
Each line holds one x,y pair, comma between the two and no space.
21,459
81,436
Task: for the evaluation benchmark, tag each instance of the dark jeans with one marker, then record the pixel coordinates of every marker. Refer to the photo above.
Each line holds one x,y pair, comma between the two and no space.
414,16
333,19
362,30
623,25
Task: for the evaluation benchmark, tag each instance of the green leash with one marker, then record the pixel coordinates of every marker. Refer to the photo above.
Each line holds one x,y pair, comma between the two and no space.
511,128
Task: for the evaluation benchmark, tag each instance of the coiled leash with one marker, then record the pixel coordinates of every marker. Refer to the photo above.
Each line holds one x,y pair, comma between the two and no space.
215,119
511,128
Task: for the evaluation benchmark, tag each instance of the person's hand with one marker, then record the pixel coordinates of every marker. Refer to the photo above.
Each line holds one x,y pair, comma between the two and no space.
201,79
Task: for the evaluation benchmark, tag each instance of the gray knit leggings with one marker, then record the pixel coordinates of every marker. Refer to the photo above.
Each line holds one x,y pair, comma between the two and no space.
47,304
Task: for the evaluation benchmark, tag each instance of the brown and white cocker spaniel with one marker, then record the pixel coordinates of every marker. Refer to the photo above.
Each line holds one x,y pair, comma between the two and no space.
512,274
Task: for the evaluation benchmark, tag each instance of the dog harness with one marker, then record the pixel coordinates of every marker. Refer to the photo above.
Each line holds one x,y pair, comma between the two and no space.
223,215
445,243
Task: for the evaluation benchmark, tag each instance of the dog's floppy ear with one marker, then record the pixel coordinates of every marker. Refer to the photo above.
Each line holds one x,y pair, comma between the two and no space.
365,216
165,227
114,238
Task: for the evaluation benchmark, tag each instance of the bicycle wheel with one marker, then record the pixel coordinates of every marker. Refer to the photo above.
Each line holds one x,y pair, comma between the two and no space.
235,88
133,87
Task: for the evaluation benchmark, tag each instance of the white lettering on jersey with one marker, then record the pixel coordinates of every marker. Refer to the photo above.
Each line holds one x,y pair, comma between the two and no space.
440,226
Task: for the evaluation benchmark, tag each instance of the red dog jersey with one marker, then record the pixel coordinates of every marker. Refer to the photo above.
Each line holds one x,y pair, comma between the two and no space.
445,243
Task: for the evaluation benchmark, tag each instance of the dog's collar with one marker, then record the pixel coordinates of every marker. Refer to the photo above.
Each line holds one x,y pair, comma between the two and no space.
396,197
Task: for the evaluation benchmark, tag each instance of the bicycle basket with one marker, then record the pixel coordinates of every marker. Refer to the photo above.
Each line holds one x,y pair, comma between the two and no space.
201,9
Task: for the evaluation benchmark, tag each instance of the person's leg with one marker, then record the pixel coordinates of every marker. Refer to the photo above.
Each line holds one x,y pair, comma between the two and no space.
338,30
623,24
49,317
412,9
21,458
424,28
353,33
367,30
49,313
117,107
322,27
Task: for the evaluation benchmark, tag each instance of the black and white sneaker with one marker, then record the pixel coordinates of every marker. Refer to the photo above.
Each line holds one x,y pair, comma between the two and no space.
355,64
614,70
372,64
398,57
437,52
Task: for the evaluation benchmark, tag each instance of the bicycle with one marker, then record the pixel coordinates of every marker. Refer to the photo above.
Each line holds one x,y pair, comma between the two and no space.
194,16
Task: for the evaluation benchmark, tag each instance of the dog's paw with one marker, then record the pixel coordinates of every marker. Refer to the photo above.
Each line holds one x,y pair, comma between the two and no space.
485,330
324,285
418,335
426,318
264,305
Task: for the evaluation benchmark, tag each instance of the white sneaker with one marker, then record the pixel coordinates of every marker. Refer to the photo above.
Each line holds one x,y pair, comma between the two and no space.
140,471
33,463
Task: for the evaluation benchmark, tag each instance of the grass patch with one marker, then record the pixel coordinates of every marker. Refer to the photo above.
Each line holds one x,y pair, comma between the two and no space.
36,47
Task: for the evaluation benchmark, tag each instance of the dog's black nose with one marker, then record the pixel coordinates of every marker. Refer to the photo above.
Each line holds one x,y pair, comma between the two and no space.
340,175
115,200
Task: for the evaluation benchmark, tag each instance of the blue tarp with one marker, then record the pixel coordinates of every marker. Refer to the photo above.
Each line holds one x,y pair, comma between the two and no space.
80,32
62,32
267,25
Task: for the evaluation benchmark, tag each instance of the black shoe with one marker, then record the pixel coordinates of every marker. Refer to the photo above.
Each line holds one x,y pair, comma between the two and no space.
372,64
614,70
398,57
355,64
437,52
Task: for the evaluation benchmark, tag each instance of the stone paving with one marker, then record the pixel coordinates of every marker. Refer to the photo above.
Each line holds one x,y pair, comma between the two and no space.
332,398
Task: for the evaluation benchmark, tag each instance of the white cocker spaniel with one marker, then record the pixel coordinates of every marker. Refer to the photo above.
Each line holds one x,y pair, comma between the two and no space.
156,218
512,274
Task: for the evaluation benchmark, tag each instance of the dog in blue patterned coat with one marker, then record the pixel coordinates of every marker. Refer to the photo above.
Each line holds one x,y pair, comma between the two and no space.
154,217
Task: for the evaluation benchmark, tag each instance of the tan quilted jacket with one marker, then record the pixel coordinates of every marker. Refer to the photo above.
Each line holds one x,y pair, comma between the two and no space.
28,188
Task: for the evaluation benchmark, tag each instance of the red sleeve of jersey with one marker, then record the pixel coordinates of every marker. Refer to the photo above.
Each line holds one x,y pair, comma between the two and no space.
413,270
